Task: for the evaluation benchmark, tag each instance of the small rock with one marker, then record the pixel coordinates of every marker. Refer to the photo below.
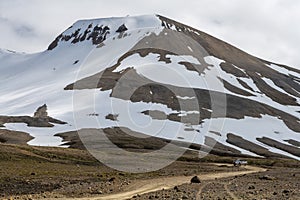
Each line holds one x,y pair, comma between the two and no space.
176,189
112,179
33,174
251,187
285,191
185,197
195,179
113,117
267,177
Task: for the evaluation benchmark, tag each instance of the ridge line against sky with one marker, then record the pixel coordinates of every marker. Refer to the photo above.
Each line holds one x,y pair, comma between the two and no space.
267,29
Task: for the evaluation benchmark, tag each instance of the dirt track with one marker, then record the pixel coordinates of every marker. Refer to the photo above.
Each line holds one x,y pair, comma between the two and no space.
146,186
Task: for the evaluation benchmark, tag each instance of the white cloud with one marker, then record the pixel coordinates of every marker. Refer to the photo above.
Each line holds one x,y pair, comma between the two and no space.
268,29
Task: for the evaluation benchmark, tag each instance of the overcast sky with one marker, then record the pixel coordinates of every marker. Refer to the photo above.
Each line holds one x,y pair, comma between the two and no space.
265,28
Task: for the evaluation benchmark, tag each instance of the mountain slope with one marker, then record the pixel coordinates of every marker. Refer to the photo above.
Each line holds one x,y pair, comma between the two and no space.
158,77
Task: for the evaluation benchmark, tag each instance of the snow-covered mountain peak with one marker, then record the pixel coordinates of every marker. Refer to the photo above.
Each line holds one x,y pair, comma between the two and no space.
96,31
151,74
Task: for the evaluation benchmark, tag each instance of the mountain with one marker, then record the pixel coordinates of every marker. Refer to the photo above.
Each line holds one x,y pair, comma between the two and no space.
154,76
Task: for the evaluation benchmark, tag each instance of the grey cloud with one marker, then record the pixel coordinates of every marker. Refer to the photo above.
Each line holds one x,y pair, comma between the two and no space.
25,31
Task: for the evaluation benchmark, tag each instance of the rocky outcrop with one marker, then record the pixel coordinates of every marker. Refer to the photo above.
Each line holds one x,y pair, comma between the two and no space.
122,28
39,119
41,112
97,34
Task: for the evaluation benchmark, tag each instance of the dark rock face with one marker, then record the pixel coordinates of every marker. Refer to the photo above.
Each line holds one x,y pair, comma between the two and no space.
97,35
122,28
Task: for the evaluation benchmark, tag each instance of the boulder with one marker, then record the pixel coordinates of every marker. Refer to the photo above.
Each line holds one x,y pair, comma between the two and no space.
195,179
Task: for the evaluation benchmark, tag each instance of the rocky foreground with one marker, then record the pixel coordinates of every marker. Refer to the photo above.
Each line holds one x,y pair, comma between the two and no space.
39,172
